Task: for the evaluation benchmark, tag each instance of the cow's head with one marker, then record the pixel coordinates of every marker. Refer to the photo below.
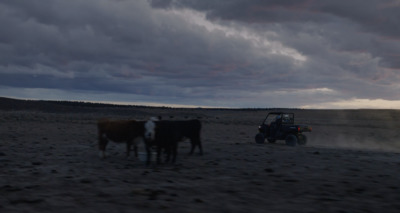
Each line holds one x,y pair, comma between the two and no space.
150,129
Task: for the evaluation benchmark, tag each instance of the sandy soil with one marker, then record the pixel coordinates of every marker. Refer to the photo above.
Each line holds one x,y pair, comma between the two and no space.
49,162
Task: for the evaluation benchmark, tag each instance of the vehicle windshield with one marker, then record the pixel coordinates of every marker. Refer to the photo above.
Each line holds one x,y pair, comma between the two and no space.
270,118
285,118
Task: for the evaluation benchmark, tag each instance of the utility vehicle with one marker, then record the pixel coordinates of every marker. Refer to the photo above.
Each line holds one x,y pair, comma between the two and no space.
280,126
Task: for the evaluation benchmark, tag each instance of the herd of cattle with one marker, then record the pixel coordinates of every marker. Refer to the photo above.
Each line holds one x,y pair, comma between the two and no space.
164,135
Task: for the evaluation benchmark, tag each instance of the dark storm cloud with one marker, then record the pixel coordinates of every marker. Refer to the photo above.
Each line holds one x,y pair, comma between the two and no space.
378,16
367,16
232,53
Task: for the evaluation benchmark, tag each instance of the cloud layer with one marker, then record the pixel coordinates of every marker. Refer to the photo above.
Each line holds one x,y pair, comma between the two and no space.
235,53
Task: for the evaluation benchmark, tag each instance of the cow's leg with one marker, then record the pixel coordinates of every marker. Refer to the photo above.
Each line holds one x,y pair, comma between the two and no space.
148,150
193,146
135,150
128,148
199,144
167,151
102,146
159,150
136,141
174,151
194,142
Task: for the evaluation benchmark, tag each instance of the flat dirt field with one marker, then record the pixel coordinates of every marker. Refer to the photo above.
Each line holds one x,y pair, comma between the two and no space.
49,163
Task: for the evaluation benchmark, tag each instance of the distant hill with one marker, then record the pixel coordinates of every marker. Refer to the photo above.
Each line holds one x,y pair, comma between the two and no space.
56,106
80,106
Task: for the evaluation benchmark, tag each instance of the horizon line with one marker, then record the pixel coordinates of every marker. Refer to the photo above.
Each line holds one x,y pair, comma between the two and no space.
180,106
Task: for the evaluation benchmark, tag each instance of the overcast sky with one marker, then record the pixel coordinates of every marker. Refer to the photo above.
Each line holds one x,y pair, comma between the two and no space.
217,53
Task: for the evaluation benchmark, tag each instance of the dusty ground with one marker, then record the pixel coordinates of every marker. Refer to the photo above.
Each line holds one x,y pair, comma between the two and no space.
49,162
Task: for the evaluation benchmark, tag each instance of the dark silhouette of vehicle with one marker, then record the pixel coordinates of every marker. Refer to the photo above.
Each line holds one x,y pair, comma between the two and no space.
280,126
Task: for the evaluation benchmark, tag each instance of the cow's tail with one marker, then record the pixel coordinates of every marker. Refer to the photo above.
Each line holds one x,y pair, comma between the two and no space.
102,140
196,140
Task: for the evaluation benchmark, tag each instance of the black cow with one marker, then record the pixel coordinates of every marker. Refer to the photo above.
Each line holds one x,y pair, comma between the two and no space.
166,135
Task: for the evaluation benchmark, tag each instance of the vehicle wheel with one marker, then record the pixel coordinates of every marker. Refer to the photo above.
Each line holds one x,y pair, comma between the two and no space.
302,139
260,138
271,140
291,140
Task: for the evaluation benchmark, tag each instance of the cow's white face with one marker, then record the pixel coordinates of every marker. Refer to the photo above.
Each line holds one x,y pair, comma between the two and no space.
150,130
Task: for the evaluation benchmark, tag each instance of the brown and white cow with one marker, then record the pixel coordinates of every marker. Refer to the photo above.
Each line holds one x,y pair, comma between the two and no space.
120,131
